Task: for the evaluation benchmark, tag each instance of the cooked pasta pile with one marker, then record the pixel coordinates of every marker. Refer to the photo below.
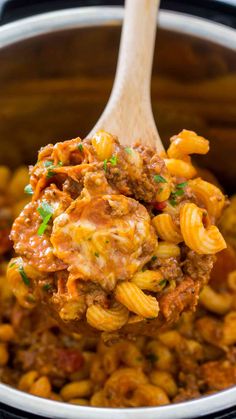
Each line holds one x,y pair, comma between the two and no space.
116,239
193,358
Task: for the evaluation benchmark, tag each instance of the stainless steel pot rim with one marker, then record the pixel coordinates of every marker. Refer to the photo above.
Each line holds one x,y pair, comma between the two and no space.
94,16
87,17
58,410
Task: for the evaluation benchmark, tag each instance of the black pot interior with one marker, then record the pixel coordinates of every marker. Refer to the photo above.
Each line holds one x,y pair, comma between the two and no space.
54,87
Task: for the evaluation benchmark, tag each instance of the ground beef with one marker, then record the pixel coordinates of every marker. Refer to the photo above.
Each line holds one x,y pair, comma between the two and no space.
183,297
169,267
218,375
72,188
198,266
189,387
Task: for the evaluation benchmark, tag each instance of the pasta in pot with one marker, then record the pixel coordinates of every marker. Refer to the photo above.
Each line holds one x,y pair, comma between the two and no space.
194,357
107,230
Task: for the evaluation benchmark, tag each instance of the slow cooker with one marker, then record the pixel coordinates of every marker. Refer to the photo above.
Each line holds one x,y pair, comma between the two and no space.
56,73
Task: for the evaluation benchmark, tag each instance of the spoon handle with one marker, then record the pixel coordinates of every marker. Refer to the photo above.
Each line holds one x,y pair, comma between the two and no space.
136,48
128,113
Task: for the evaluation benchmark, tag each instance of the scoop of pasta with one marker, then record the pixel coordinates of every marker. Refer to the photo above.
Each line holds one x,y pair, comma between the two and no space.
115,239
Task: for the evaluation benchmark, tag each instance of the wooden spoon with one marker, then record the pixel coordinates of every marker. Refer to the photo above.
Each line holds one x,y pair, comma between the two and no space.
128,113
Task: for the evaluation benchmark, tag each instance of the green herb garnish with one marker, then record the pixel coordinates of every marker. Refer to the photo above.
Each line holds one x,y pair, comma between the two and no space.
159,179
152,358
178,192
128,150
113,160
50,172
153,258
12,264
80,147
30,298
96,254
163,283
46,212
48,163
47,287
28,190
173,202
24,276
181,185
105,165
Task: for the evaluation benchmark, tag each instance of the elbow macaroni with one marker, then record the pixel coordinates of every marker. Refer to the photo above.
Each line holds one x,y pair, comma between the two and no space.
107,319
185,143
145,372
132,297
211,196
103,144
148,280
167,250
180,168
166,228
102,233
219,303
201,239
163,193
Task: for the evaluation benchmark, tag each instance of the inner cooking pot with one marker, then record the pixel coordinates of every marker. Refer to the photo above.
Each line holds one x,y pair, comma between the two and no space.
56,74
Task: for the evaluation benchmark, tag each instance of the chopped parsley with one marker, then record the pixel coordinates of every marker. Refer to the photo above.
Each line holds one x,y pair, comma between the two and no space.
48,163
152,358
128,150
46,212
105,165
153,258
30,298
47,287
173,202
80,147
24,276
12,264
179,191
96,254
113,160
181,185
51,166
50,173
159,179
163,283
28,190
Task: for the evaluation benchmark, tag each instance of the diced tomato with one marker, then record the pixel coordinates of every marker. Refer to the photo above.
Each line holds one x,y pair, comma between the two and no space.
5,242
69,360
159,206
